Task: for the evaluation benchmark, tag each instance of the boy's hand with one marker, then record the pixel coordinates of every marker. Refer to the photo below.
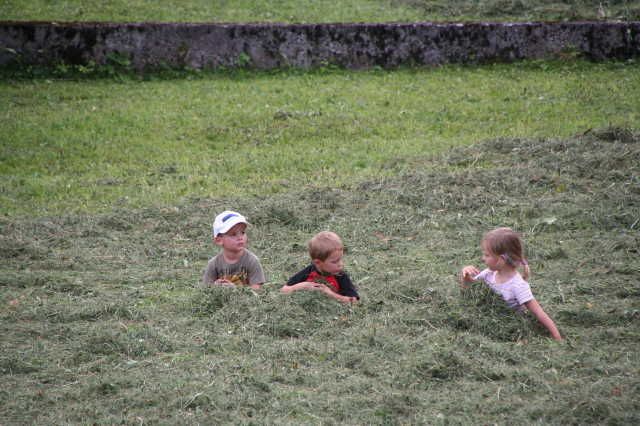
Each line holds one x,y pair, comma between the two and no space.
224,283
338,297
467,273
349,299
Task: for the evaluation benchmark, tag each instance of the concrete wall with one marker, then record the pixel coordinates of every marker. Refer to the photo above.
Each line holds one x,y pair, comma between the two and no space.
149,45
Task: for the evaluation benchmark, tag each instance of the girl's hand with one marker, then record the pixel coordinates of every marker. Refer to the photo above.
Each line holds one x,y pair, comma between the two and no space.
467,273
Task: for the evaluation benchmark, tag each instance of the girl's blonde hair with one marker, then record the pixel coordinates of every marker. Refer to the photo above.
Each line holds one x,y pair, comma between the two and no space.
323,244
507,244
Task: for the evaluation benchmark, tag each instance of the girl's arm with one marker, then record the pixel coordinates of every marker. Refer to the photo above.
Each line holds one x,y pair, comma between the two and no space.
544,319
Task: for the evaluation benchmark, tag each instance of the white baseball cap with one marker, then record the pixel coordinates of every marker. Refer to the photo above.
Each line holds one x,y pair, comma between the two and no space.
227,220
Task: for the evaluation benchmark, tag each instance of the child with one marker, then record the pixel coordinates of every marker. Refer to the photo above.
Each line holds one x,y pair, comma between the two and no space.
502,253
234,265
325,274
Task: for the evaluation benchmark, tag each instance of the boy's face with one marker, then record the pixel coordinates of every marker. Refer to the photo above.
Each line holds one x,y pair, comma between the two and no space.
234,240
331,265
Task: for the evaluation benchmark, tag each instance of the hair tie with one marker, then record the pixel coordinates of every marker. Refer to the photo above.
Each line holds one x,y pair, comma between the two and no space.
507,258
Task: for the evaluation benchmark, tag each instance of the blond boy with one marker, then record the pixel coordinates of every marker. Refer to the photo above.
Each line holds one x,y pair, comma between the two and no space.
325,273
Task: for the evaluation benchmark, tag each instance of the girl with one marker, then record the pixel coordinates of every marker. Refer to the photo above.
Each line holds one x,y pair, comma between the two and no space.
502,253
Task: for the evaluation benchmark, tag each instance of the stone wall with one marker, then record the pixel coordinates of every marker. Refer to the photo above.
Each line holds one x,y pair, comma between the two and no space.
265,46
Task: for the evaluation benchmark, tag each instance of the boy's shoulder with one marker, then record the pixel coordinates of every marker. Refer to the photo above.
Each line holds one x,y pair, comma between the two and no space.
247,256
217,257
250,259
250,254
343,274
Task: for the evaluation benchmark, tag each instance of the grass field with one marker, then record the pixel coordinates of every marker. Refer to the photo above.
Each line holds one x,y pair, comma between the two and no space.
297,11
108,187
90,145
102,321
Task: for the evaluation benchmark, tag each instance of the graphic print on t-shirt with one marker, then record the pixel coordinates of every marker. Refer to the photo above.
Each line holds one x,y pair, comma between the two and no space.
237,278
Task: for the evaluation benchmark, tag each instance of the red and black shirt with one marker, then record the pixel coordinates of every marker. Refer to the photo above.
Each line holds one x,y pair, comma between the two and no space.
341,284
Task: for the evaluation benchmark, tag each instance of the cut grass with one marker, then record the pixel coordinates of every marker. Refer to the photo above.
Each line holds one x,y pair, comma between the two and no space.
296,11
103,322
108,188
95,145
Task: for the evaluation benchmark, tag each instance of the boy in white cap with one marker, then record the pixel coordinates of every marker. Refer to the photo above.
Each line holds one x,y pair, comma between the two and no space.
235,264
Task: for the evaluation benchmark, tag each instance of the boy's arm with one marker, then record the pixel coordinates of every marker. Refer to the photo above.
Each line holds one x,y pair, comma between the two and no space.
208,277
304,285
544,319
340,298
347,289
256,273
312,286
299,282
211,277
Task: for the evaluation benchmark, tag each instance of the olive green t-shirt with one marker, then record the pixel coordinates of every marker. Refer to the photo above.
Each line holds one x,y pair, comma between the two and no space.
246,271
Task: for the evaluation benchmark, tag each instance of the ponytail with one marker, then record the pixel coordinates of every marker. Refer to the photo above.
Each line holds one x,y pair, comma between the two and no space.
526,272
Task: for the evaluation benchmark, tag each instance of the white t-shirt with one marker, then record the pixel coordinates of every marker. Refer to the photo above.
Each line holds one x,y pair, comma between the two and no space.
516,292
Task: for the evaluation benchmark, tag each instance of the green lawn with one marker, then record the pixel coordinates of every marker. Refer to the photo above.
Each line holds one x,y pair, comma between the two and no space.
316,10
87,146
102,321
108,187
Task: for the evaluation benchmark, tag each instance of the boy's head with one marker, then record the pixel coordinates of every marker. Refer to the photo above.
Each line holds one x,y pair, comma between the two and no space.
326,251
227,220
229,231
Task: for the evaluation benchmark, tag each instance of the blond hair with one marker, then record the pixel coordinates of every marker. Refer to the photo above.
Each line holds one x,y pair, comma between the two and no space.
507,244
323,244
